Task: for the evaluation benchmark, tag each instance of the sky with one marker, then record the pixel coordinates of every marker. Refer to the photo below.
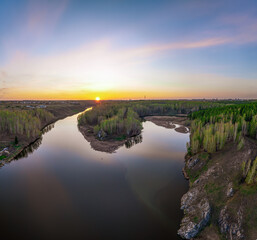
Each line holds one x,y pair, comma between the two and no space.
135,49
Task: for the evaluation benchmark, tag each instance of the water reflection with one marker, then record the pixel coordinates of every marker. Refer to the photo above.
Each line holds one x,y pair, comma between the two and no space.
67,190
133,141
48,128
35,145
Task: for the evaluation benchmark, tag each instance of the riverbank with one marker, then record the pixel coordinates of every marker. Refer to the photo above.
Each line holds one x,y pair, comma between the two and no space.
10,149
219,204
170,122
108,146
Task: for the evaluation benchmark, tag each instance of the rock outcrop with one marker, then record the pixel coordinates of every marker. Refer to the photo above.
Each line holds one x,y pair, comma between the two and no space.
101,134
192,162
230,190
231,228
218,180
197,213
4,152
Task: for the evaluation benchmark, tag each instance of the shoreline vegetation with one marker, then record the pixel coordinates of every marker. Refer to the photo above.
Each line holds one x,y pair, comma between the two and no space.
22,123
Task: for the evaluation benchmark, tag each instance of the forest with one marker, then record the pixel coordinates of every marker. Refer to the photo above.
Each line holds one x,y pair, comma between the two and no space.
212,128
25,119
123,118
112,120
23,122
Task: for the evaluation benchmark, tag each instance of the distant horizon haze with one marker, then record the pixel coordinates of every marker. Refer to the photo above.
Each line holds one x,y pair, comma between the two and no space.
136,99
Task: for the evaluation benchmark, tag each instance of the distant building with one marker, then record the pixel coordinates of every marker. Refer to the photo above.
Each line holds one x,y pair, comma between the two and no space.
41,106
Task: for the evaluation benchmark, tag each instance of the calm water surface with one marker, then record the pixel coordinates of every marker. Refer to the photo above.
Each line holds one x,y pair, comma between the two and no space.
66,190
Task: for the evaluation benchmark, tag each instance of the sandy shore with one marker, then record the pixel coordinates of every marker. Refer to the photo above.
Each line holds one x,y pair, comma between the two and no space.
169,122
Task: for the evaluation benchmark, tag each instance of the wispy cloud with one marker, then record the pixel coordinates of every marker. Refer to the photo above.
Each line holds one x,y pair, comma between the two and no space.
100,66
33,27
42,16
237,28
157,48
99,58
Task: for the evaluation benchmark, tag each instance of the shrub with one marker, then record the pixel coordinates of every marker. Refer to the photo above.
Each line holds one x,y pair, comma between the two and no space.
250,176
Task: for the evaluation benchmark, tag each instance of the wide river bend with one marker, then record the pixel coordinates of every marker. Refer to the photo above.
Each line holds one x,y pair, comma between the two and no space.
60,188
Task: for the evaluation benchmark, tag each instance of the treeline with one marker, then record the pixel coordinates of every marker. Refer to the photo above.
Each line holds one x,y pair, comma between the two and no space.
171,107
23,122
212,128
123,117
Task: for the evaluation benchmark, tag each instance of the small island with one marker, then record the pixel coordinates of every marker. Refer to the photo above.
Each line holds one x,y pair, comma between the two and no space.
107,126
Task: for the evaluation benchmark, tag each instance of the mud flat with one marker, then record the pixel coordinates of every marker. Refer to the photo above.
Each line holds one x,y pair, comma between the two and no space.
108,145
170,122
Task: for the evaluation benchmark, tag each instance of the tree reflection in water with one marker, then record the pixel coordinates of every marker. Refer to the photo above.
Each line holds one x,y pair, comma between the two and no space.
133,141
35,145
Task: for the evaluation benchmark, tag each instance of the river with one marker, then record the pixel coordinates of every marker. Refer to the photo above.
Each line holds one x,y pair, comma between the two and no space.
60,188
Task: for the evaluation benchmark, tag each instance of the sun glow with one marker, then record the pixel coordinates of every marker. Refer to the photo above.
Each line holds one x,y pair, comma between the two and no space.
97,99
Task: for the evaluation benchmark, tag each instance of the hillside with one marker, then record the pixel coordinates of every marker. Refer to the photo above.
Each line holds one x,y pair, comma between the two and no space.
221,166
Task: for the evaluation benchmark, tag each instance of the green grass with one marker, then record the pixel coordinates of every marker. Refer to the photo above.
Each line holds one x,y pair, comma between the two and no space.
251,218
195,219
215,193
194,175
248,189
120,138
204,156
2,157
212,188
237,181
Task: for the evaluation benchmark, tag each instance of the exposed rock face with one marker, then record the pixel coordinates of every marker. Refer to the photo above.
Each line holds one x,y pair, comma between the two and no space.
197,215
212,178
101,134
4,152
231,228
192,162
189,198
230,190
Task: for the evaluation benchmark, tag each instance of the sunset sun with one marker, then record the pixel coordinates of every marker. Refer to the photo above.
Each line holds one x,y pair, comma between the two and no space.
97,98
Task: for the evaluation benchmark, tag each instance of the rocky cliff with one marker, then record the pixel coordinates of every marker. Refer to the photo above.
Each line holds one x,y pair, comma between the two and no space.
219,204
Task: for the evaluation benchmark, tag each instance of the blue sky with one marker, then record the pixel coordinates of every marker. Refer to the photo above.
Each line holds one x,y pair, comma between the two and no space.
128,49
